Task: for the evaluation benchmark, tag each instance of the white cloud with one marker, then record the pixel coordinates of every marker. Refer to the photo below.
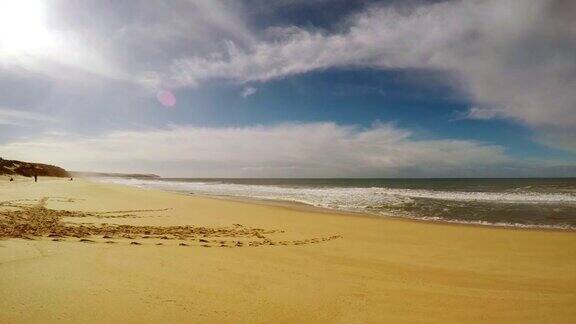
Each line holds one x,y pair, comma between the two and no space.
514,58
313,149
27,41
133,41
22,118
248,91
562,138
481,113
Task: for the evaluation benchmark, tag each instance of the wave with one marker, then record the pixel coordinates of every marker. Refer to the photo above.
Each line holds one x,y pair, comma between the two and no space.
362,196
374,200
492,224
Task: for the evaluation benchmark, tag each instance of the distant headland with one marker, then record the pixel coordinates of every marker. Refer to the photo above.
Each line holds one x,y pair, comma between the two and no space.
83,174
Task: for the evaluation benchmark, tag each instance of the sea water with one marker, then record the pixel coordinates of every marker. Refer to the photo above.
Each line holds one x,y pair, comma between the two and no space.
545,203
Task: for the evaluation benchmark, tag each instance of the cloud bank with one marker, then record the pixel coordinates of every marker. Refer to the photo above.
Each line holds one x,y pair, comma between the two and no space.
513,58
289,150
22,118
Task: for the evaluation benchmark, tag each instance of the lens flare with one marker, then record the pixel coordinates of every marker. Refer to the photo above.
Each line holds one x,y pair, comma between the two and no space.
166,98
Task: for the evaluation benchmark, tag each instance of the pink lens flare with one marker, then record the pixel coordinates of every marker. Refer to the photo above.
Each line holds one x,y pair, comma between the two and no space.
166,98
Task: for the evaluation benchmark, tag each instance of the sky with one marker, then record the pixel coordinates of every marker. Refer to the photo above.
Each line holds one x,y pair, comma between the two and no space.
291,88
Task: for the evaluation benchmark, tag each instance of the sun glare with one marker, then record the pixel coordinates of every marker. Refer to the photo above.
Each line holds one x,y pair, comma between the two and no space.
23,27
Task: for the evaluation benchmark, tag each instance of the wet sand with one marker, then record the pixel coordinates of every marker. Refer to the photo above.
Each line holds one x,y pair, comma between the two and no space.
78,251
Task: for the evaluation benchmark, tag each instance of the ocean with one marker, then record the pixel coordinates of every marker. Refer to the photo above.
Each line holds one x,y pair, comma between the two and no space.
531,203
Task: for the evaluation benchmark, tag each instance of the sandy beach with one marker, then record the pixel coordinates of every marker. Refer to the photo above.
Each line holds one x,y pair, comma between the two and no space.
82,251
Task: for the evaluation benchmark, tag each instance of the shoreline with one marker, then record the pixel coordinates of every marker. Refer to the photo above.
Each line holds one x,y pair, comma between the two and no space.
295,205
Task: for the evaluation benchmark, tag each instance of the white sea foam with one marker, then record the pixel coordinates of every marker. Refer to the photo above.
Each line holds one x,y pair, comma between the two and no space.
343,197
375,200
497,224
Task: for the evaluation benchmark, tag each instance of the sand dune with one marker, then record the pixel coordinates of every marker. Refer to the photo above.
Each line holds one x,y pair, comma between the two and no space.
88,252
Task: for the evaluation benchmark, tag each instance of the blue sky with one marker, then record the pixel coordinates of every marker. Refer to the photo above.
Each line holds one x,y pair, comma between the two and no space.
291,88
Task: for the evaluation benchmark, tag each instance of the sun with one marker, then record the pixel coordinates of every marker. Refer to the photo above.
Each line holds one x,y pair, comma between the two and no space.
23,27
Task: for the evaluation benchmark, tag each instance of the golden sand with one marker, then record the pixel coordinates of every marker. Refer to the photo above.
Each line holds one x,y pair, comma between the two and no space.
78,251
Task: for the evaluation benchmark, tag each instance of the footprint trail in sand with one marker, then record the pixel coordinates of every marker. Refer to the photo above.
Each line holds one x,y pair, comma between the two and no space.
31,219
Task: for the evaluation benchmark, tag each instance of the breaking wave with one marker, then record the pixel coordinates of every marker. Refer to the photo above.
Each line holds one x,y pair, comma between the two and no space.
376,200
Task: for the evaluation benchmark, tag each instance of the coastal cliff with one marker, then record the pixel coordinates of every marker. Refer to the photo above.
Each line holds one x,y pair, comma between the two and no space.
29,169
